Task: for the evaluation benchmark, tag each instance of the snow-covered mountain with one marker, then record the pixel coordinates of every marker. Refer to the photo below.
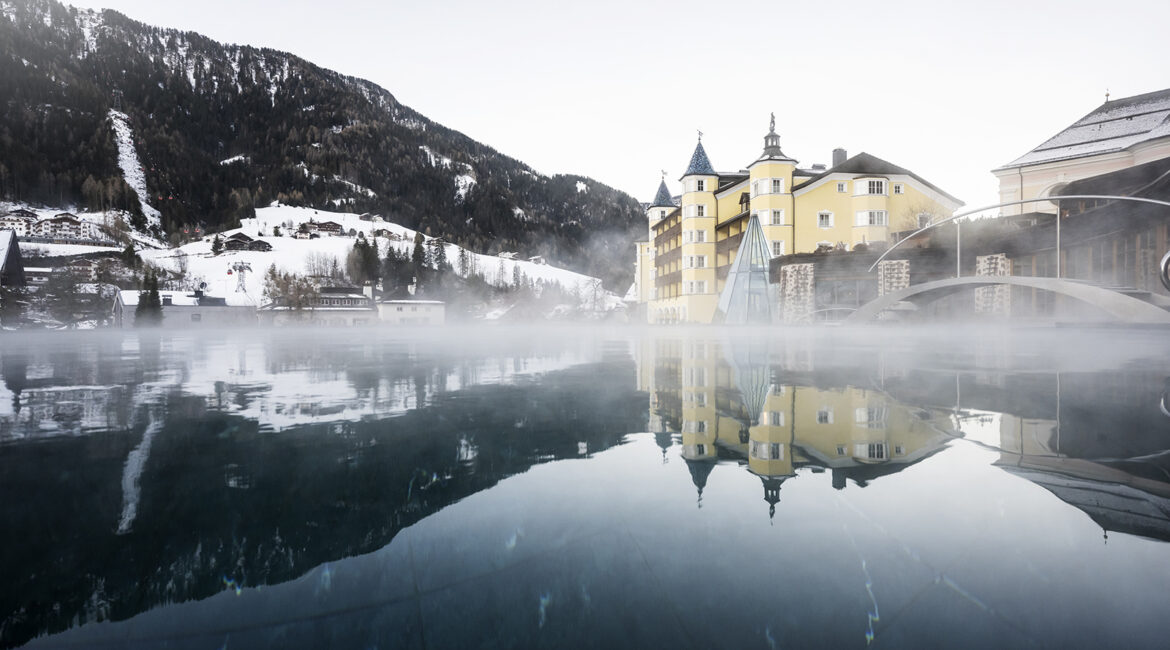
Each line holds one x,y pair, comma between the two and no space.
183,132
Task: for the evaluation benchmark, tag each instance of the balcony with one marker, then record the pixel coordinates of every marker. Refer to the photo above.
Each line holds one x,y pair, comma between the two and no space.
728,245
668,279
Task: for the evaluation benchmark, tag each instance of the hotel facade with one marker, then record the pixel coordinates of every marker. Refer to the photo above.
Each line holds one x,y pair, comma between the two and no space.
858,202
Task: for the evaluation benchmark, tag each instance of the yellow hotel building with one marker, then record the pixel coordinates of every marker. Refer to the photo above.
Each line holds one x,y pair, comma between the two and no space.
681,270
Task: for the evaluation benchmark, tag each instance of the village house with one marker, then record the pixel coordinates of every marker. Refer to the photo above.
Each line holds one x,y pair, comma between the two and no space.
237,242
412,312
333,306
331,227
1118,134
184,309
18,221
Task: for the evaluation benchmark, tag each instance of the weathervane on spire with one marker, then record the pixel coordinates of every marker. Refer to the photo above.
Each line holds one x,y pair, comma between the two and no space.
700,135
1106,94
664,175
772,124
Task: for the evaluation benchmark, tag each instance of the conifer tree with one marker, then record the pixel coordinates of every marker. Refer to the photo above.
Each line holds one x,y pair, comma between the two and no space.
216,245
148,313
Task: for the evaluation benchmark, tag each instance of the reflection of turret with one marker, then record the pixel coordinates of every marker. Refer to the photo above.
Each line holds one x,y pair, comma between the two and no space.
664,441
700,470
772,493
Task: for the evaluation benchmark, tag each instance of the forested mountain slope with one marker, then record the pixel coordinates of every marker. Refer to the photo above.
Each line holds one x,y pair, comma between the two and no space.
221,129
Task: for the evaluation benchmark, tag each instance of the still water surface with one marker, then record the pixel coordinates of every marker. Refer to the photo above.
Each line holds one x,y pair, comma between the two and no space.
585,488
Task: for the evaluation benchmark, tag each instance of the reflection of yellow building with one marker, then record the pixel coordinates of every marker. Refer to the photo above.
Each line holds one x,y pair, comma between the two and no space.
776,428
859,200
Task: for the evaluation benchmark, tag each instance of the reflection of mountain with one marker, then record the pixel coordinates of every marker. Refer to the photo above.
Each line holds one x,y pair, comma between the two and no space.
222,500
729,402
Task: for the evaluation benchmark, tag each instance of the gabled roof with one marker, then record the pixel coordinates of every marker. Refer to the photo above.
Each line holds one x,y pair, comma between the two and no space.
700,164
1113,126
663,198
864,163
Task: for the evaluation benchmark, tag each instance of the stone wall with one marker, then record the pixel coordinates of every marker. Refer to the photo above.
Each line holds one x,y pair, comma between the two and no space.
796,293
998,299
893,275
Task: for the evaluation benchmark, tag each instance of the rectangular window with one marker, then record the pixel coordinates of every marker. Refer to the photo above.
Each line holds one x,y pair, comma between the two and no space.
872,417
777,217
840,450
824,219
872,450
695,377
761,450
700,185
872,218
841,187
777,248
924,220
897,188
777,185
701,211
825,416
876,187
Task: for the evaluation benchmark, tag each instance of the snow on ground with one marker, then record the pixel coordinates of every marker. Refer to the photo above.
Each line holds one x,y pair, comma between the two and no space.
463,185
435,159
582,187
234,159
355,187
132,166
54,250
290,254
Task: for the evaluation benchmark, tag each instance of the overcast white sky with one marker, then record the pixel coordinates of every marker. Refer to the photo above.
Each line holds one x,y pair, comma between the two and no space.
615,90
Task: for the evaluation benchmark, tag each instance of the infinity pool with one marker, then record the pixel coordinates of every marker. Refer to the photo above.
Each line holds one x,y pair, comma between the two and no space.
557,488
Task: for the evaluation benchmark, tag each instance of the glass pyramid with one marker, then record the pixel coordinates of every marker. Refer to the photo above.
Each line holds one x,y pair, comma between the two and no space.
746,298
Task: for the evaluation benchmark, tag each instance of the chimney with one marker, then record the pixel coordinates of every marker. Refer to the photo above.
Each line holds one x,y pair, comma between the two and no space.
839,156
368,289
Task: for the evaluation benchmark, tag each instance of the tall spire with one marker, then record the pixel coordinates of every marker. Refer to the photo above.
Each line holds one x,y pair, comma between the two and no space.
663,198
772,141
700,164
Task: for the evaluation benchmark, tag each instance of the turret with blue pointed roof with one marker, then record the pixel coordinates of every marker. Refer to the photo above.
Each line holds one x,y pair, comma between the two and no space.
700,164
663,198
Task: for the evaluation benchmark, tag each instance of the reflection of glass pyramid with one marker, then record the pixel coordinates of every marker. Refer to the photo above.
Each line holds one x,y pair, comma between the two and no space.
753,376
745,299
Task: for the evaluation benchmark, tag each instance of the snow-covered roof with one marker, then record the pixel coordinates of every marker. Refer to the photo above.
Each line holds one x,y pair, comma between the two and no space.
411,302
1115,125
6,239
129,298
700,164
